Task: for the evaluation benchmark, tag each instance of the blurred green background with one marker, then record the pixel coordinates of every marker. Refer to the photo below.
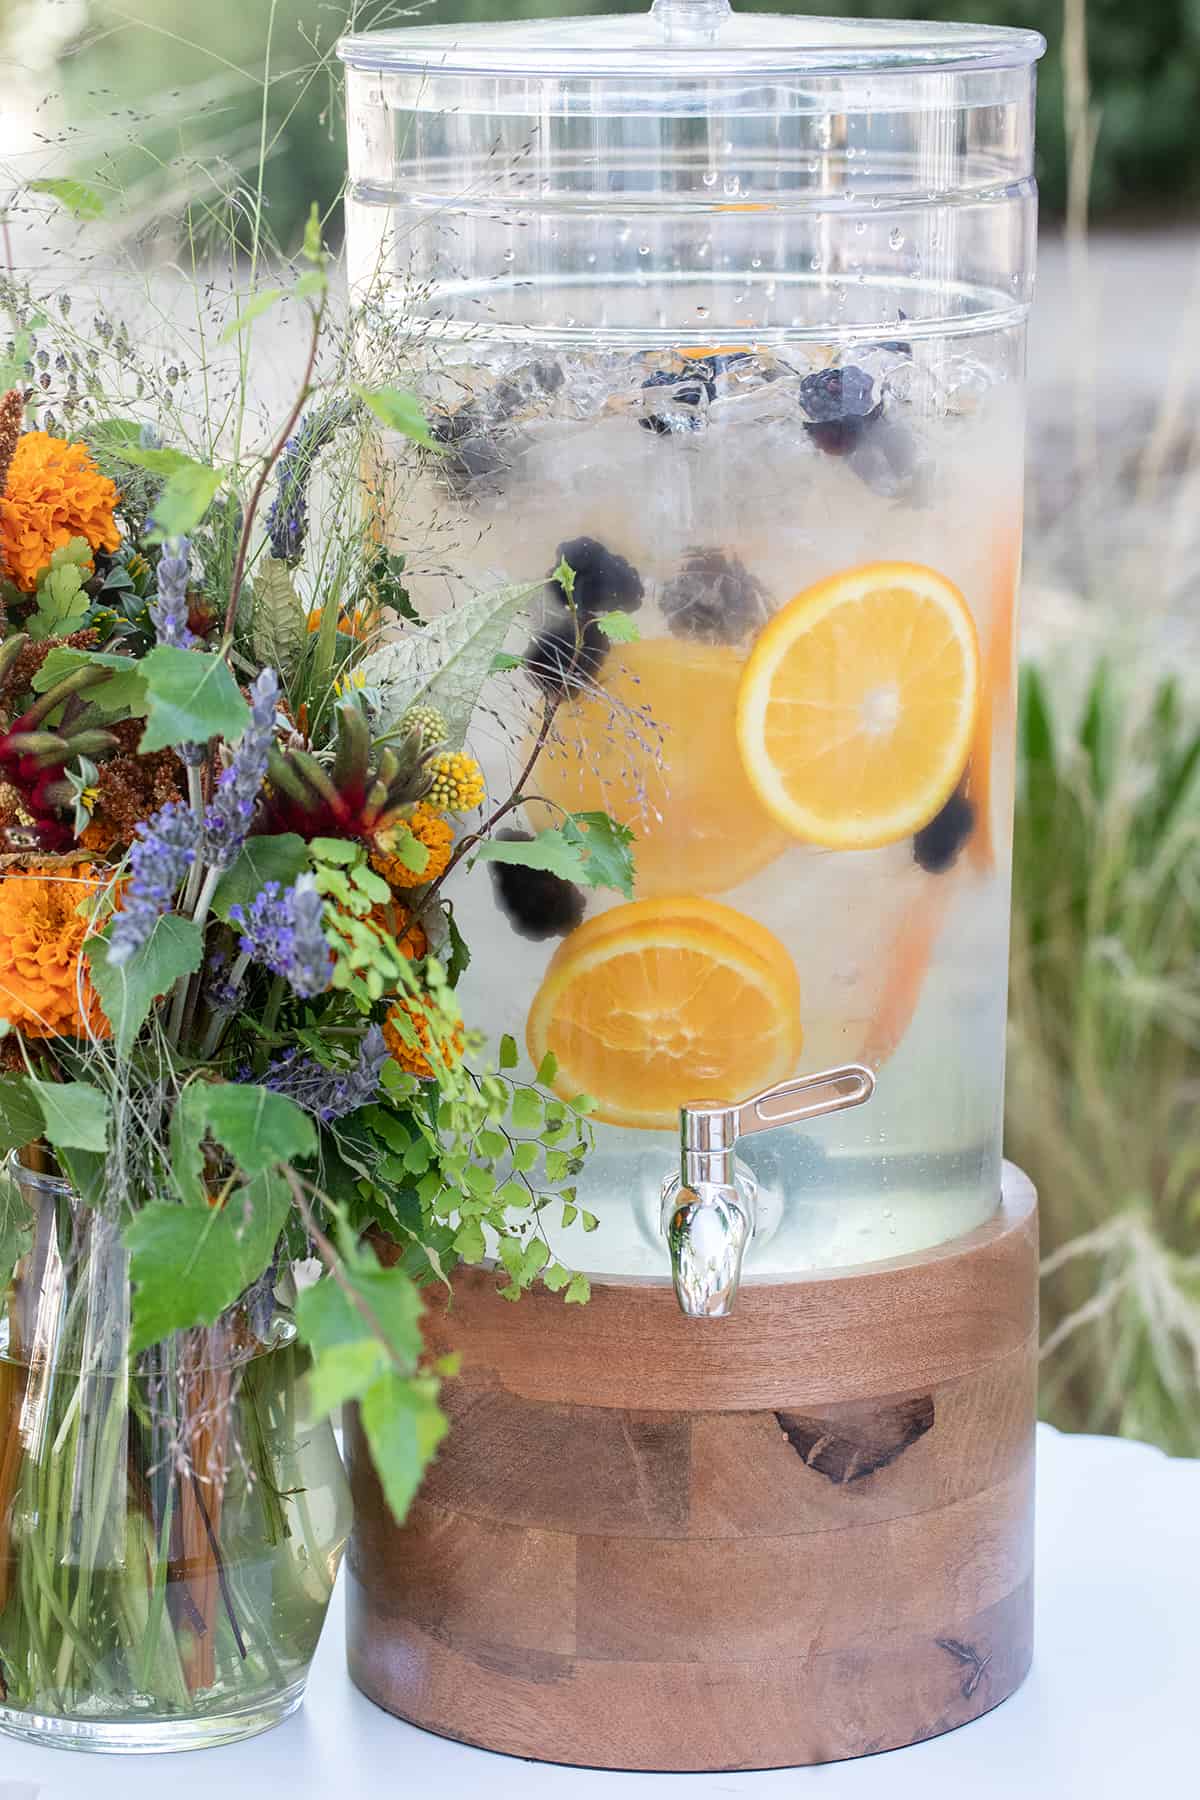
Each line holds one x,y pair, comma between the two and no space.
1144,63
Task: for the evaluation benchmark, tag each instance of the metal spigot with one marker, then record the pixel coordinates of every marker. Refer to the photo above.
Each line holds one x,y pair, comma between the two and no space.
709,1208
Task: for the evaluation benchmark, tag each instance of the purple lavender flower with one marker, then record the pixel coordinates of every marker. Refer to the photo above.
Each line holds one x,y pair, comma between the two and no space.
228,818
287,515
158,863
169,607
330,1094
283,931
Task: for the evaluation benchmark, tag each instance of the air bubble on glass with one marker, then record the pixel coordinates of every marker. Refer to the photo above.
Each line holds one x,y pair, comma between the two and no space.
732,184
896,238
756,262
709,178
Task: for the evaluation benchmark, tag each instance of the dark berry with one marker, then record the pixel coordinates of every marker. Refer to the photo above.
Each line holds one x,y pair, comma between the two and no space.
538,905
471,453
936,845
604,581
688,395
714,598
838,406
559,664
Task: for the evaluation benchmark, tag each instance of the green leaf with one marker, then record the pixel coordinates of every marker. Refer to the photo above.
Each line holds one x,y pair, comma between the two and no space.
124,694
404,1426
191,697
618,627
588,849
510,1056
579,1292
369,1301
61,602
82,201
20,1115
128,990
336,850
608,860
446,663
75,1114
548,851
547,1069
185,499
503,661
16,1226
409,851
258,1127
161,460
527,1110
312,249
399,411
459,959
189,1263
279,629
250,310
468,1241
261,859
344,1371
115,434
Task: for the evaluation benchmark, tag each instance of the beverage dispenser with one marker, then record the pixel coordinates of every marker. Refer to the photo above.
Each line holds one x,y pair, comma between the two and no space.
718,323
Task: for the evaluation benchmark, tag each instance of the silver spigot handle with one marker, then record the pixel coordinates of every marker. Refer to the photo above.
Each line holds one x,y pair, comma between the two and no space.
805,1097
708,1209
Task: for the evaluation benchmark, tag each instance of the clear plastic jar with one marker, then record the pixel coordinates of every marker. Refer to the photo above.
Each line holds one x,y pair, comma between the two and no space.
730,313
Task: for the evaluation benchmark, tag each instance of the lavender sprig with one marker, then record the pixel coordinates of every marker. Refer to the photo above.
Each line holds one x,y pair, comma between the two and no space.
169,608
283,930
230,814
330,1094
287,515
158,862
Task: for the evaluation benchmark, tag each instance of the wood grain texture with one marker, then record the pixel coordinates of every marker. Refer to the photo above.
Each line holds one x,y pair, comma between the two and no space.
894,1327
736,1583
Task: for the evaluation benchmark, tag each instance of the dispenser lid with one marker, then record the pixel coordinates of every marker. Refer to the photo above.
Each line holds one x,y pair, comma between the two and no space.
690,37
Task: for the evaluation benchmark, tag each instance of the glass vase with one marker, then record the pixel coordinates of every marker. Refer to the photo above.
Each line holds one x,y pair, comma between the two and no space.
171,1523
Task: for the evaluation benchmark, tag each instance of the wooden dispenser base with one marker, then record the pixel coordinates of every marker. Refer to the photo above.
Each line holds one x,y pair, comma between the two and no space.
801,1533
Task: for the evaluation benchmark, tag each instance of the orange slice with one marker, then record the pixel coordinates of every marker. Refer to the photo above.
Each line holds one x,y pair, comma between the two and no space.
660,1002
656,747
858,703
997,692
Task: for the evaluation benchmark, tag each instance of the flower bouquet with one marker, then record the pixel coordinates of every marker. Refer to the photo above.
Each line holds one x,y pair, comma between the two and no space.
245,1120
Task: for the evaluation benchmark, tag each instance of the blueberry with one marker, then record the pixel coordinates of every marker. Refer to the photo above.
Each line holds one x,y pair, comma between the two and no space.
471,453
714,599
558,664
537,904
604,581
936,845
838,405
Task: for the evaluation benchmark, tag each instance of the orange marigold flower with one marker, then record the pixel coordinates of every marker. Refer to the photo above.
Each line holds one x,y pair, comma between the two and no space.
438,1040
54,493
409,934
362,623
45,990
437,835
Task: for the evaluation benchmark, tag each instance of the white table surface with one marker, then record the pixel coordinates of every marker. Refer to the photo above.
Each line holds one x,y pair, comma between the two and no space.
1112,1707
